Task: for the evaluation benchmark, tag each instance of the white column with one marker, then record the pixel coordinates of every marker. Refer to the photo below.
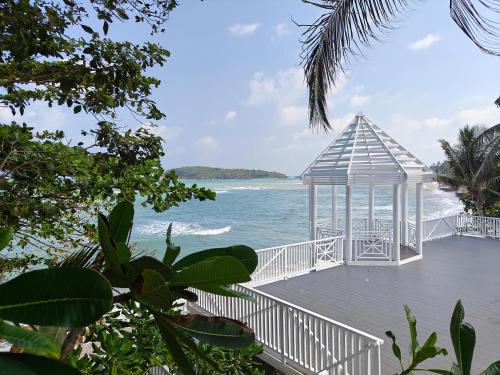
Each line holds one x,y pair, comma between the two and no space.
418,219
404,214
371,207
395,223
334,207
312,211
348,222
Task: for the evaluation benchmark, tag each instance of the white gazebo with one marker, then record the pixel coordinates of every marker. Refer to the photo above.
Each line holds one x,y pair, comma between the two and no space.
363,154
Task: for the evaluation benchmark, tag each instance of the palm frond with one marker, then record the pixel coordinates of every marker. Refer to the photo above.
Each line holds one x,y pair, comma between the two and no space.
471,18
497,102
82,258
335,37
490,166
448,180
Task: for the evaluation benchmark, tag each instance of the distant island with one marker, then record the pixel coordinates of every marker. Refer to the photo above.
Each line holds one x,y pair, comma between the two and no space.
208,173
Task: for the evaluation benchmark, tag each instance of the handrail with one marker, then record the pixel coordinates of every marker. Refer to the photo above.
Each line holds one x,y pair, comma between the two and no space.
292,334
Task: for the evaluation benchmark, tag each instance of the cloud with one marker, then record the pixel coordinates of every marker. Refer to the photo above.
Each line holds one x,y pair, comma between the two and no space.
359,100
487,116
207,144
291,115
230,116
37,115
425,42
164,131
285,87
239,29
281,29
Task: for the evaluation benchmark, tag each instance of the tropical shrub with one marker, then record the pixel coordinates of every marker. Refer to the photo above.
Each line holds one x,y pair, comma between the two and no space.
127,341
474,164
463,337
76,294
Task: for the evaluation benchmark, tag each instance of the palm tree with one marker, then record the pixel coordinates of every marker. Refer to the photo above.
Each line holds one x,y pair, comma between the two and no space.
474,163
349,26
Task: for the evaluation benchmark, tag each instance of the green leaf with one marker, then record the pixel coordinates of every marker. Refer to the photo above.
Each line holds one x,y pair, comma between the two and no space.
108,247
87,29
428,350
395,348
77,109
68,296
185,294
244,254
225,291
134,268
493,369
120,221
28,364
122,14
32,341
172,251
169,338
154,291
412,323
214,271
6,234
463,338
215,330
123,251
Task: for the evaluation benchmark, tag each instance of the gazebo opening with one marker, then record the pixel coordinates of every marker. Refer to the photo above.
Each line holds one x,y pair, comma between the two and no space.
363,154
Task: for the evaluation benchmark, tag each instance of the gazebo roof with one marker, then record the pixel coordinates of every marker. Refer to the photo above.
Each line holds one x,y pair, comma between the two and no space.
364,154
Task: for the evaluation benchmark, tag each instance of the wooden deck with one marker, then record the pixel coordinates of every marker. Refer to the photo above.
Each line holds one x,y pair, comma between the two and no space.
372,298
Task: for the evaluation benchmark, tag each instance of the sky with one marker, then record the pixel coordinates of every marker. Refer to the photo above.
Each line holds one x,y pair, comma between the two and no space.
234,94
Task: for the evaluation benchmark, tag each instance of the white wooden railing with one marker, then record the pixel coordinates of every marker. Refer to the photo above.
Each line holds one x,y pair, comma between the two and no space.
286,261
372,245
298,337
412,235
478,225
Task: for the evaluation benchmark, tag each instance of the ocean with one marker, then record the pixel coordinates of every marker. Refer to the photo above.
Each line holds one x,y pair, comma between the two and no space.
264,213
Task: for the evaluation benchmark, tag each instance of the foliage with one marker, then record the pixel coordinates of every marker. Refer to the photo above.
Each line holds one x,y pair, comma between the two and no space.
49,189
349,26
474,164
208,173
418,354
75,294
49,186
462,336
129,343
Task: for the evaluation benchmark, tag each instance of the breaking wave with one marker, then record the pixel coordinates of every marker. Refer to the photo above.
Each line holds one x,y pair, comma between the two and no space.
180,229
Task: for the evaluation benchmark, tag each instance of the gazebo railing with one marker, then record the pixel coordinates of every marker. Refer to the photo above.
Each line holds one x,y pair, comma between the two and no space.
372,245
280,262
478,225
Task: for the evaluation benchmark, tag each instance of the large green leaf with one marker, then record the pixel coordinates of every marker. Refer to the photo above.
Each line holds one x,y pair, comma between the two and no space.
463,338
172,251
108,246
395,347
170,339
221,270
135,267
68,296
215,330
428,350
120,221
28,364
412,323
493,369
6,234
245,254
153,290
32,341
226,292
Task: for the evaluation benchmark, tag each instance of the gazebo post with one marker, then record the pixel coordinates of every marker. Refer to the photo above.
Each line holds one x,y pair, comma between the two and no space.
312,211
418,219
371,206
404,214
396,256
348,222
334,207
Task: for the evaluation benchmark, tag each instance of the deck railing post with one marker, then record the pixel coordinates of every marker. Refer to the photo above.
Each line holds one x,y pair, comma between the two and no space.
418,219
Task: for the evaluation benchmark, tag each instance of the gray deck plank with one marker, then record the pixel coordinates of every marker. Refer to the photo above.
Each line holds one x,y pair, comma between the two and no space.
372,298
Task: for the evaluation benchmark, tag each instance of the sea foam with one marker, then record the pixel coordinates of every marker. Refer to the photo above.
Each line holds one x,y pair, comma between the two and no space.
180,229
